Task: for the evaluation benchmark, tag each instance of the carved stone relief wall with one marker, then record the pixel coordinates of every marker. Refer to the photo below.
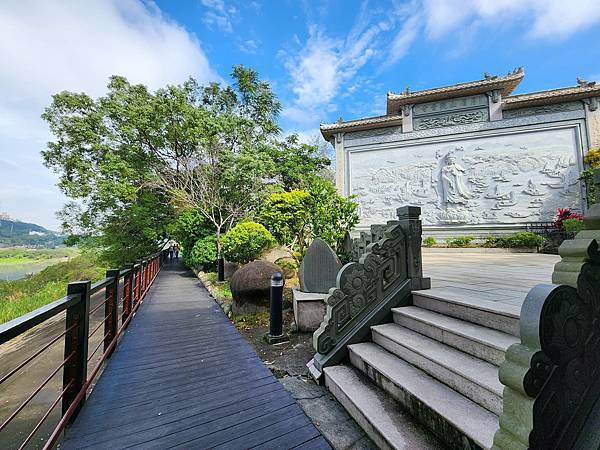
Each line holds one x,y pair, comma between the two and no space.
507,179
450,112
547,109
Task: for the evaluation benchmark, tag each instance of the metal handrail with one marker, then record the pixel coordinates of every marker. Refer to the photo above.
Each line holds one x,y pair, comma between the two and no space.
137,280
15,327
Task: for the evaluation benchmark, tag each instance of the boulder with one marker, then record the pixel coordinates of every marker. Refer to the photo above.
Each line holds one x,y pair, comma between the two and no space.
319,268
276,253
250,286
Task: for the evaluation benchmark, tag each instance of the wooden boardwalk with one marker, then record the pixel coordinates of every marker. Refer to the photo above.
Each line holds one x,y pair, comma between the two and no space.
184,377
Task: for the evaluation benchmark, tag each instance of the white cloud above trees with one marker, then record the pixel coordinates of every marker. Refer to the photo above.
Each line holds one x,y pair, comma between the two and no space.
47,47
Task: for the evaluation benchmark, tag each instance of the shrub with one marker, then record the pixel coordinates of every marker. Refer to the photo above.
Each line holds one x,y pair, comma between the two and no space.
525,239
461,241
429,241
573,225
297,217
563,214
246,242
203,253
592,158
490,241
288,267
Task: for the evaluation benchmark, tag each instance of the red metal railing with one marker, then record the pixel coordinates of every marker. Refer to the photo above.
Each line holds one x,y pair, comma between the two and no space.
135,280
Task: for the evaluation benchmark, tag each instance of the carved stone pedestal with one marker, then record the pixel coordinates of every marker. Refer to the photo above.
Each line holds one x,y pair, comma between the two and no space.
309,310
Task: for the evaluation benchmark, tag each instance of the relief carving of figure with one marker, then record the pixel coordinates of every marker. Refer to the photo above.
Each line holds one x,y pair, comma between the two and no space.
455,190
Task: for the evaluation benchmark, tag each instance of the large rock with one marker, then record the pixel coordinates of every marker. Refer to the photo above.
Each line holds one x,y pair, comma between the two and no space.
250,286
319,268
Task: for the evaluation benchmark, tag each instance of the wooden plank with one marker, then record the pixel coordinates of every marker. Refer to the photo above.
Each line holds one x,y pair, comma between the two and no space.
183,376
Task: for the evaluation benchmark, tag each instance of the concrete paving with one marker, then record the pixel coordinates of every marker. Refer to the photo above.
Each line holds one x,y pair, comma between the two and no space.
499,277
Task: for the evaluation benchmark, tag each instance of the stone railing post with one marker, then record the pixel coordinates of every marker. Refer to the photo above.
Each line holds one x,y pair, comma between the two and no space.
552,377
409,218
574,252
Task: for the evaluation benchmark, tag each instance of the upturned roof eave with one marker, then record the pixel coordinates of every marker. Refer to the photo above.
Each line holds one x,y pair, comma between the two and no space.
506,84
329,129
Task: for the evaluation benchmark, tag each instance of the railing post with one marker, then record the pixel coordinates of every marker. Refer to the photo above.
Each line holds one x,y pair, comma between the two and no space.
76,345
139,280
127,293
134,283
111,295
144,276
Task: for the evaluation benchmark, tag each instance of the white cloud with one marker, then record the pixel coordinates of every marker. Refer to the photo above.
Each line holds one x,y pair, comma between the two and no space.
325,66
322,66
404,39
47,47
249,46
219,14
545,18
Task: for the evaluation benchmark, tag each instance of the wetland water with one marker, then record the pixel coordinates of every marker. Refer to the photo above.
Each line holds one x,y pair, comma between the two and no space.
17,271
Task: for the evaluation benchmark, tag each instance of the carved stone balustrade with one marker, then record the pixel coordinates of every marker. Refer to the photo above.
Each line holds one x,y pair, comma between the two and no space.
389,267
552,378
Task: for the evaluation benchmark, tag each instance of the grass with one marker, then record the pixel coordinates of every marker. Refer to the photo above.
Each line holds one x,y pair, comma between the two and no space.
222,289
19,297
16,255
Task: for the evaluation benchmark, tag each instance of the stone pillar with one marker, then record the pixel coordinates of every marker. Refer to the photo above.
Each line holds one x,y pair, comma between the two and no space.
495,105
407,118
592,119
574,252
409,218
340,163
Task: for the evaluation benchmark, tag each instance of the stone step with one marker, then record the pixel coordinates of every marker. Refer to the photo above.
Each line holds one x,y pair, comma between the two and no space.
453,418
484,343
490,314
379,415
472,377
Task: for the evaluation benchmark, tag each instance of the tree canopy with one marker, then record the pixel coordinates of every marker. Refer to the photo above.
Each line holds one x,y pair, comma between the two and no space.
132,160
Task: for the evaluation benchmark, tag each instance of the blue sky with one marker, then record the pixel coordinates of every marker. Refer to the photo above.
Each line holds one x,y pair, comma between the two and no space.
324,59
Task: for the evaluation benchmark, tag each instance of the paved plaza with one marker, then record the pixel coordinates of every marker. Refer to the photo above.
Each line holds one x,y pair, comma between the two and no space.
504,278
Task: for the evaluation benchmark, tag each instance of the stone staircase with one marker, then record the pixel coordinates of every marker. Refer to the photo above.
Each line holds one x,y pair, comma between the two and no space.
439,361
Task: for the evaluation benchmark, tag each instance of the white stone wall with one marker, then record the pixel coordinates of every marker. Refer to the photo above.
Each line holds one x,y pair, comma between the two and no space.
507,176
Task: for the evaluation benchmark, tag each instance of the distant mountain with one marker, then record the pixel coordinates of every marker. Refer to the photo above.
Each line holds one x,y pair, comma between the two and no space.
14,232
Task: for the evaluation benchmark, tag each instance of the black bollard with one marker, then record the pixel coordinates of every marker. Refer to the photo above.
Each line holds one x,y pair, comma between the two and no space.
220,269
276,310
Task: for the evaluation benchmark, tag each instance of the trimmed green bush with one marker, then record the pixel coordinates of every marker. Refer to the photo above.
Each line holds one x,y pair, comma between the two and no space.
246,242
524,239
461,241
203,253
490,241
429,241
573,225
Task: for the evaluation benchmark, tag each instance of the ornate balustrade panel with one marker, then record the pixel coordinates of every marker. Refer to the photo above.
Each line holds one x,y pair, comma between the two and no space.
389,267
552,377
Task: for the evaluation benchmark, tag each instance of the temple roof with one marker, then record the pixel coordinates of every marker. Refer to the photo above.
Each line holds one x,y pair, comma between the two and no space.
506,84
327,129
561,95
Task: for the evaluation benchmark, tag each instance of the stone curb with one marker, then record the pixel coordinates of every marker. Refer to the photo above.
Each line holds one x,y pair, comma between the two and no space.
223,302
477,250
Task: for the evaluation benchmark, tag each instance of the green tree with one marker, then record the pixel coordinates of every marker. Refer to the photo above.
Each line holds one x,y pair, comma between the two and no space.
297,164
296,217
131,158
190,227
287,216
